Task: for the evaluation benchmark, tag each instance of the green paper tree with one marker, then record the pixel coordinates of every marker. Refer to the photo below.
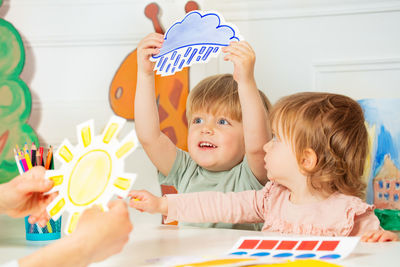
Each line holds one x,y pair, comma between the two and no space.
15,100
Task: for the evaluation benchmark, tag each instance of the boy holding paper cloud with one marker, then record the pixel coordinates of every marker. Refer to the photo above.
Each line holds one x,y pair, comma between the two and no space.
228,126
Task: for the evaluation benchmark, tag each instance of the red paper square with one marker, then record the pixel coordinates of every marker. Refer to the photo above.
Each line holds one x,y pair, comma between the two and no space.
267,244
249,244
287,245
307,245
328,245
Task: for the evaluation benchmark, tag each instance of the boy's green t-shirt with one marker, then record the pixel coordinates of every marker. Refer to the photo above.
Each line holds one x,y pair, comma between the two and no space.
189,177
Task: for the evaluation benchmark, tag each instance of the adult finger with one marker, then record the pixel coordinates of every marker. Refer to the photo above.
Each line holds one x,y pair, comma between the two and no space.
118,205
35,185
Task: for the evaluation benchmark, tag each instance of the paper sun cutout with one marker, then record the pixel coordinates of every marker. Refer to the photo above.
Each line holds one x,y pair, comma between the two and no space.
194,39
92,172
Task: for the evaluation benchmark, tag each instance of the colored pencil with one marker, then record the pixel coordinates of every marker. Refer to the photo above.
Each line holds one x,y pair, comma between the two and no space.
18,162
38,157
41,150
23,162
20,158
48,158
33,154
27,158
18,150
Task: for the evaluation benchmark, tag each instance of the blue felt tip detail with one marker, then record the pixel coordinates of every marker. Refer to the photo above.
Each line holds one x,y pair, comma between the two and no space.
239,253
207,53
187,51
191,56
261,254
330,256
283,255
177,60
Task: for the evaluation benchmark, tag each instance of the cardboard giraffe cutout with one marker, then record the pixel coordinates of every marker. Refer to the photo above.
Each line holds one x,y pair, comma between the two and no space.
15,100
171,91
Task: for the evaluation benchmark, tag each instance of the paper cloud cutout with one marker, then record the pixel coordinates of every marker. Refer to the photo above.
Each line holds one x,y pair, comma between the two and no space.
194,39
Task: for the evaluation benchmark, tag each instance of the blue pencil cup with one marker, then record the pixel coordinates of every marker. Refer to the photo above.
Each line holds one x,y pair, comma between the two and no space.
51,231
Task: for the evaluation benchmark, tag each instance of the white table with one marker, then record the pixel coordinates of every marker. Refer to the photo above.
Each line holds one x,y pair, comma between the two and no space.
150,241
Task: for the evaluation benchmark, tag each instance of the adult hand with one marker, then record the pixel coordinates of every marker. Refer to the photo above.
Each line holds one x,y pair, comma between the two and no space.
104,233
24,195
97,236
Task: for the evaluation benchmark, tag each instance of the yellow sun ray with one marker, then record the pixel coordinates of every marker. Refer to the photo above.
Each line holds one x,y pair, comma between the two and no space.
57,177
85,133
73,221
129,144
123,182
65,152
112,129
56,207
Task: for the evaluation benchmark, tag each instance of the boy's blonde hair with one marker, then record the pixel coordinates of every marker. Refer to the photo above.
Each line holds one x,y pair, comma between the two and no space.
333,126
218,93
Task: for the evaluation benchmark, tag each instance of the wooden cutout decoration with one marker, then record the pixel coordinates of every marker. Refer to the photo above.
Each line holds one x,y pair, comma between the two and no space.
15,100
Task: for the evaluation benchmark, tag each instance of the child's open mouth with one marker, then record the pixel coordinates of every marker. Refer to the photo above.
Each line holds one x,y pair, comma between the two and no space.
206,145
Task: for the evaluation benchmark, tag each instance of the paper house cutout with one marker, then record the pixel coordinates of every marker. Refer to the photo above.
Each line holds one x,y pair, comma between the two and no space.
195,39
91,172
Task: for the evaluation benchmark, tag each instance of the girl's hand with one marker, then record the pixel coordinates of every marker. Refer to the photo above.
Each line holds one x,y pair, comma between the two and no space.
243,58
145,201
148,46
379,236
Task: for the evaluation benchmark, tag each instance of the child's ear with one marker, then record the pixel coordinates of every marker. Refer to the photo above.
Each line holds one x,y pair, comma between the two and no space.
309,159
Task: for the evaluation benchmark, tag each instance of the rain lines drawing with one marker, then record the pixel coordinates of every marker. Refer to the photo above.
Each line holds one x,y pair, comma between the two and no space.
195,39
92,171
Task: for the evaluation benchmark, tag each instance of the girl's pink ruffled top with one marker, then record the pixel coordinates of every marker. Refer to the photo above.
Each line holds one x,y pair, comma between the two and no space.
338,215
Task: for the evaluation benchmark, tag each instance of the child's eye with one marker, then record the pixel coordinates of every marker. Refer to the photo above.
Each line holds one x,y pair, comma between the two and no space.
223,122
197,120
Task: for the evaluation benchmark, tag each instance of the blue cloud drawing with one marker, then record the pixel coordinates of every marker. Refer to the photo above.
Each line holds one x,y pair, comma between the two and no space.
194,39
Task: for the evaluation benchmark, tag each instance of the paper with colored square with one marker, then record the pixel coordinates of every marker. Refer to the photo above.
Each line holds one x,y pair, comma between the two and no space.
323,248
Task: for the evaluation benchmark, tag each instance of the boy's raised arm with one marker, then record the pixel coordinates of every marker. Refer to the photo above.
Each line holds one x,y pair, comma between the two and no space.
256,126
159,148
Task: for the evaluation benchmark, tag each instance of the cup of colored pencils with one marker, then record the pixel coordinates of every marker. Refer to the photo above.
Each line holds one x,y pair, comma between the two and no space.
25,159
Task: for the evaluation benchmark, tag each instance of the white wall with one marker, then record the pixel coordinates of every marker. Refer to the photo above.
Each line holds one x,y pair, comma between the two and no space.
74,48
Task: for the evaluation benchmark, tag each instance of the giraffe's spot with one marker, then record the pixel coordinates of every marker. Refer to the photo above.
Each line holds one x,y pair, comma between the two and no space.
176,92
170,132
162,113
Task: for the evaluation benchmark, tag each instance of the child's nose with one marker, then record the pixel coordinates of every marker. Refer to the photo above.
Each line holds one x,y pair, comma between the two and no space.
207,129
266,146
